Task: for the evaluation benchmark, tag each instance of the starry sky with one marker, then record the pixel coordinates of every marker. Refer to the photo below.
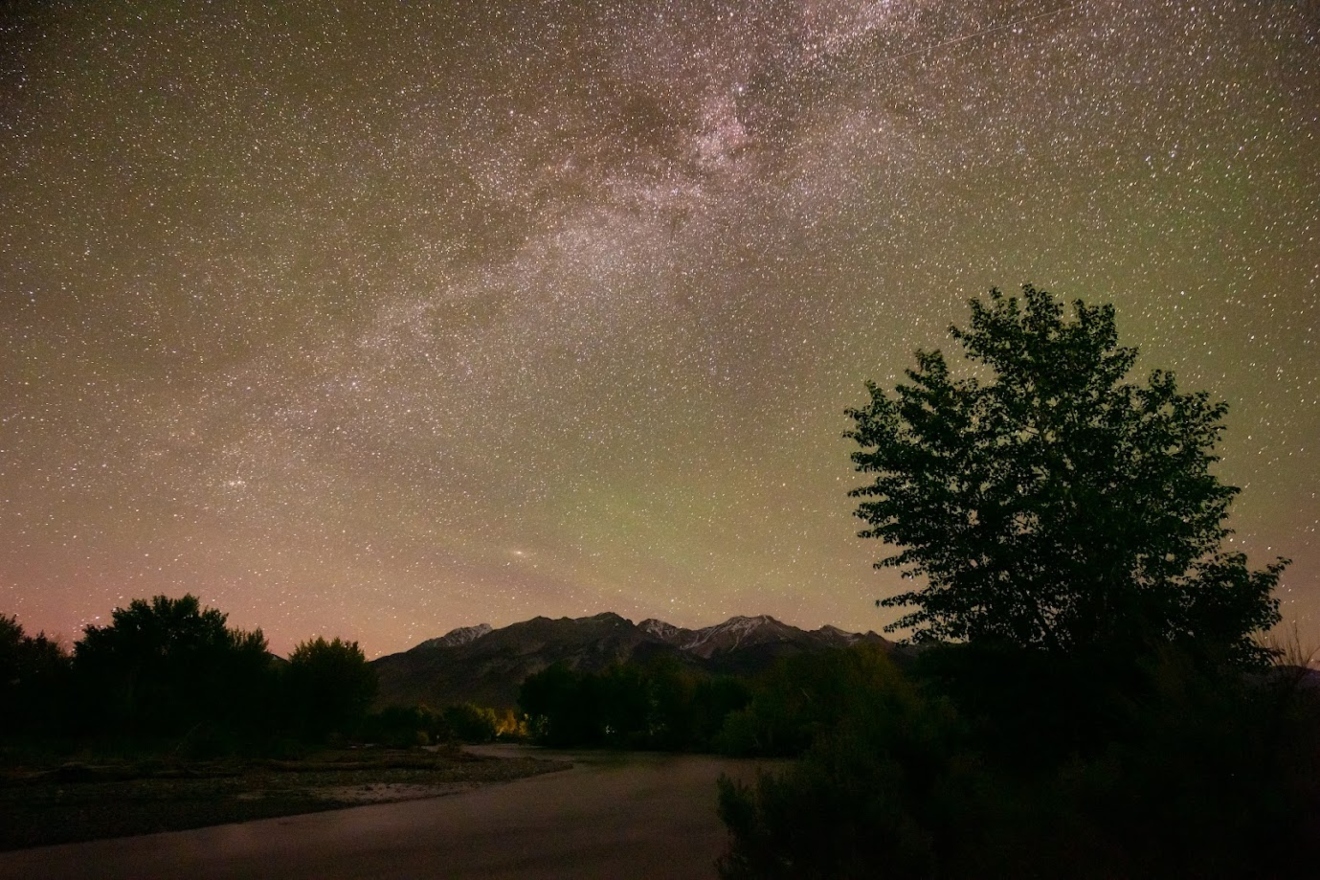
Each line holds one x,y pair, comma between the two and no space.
376,319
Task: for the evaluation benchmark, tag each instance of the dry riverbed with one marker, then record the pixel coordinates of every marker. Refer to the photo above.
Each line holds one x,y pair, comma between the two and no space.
75,802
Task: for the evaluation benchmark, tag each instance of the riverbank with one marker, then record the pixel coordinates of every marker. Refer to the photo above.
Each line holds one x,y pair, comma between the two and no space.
75,802
611,815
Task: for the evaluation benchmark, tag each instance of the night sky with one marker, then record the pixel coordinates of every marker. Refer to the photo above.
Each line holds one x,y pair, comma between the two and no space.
369,320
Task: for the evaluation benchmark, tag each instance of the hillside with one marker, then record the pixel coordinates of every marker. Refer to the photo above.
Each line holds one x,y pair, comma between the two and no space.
486,666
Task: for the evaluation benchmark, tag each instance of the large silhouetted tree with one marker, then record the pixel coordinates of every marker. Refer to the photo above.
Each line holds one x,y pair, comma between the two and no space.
165,665
1047,502
329,685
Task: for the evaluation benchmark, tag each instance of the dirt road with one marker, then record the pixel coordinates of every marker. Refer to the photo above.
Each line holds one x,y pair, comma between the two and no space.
611,816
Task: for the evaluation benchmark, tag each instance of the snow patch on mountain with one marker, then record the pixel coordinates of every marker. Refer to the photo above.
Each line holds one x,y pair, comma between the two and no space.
732,633
665,632
834,635
460,636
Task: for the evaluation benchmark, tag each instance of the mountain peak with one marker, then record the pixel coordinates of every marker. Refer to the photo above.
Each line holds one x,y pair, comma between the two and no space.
748,623
455,637
832,635
487,666
665,632
737,631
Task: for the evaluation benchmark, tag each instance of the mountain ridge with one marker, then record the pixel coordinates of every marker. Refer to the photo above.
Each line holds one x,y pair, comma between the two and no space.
486,665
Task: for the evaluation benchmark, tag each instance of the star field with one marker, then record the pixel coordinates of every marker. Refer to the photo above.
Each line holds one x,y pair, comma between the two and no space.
372,320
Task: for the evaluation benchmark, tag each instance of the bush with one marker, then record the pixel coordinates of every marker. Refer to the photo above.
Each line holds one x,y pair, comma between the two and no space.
472,724
402,727
1195,771
804,696
877,789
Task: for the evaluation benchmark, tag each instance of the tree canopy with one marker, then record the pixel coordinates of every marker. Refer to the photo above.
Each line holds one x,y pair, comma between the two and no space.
330,685
1048,502
170,670
32,669
163,665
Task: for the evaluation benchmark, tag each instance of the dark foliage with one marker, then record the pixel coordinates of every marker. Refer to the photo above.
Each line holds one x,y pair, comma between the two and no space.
1091,702
167,675
659,705
872,797
561,707
34,673
1054,504
803,697
470,723
328,687
1195,773
167,666
403,727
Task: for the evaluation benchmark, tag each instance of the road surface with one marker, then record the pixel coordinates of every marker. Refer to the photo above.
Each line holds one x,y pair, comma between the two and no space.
610,816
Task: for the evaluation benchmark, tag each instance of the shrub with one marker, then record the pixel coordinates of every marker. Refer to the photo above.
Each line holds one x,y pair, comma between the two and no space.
472,724
878,788
803,696
1197,771
404,727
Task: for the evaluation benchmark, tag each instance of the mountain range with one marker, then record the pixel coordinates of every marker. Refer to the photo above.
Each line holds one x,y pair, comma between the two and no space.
486,666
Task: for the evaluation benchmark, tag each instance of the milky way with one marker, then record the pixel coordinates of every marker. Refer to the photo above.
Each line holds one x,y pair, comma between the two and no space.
374,320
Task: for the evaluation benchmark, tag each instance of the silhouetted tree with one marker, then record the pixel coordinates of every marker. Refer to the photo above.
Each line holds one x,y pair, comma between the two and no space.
1049,503
672,690
329,685
626,704
34,673
167,665
562,706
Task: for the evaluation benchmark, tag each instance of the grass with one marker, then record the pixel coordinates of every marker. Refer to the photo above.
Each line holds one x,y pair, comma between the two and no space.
75,802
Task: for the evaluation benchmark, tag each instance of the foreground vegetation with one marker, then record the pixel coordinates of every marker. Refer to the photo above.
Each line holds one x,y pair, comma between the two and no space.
983,760
1095,699
979,762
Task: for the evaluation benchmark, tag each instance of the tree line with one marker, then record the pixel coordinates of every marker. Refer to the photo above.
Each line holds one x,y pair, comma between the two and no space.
167,670
661,704
666,705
